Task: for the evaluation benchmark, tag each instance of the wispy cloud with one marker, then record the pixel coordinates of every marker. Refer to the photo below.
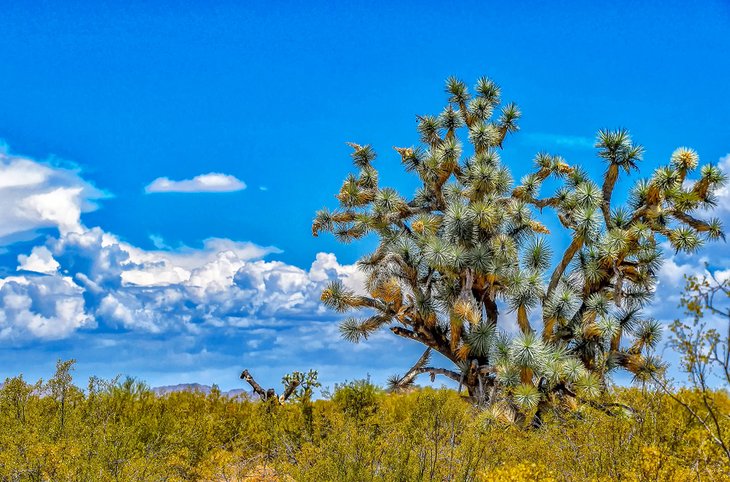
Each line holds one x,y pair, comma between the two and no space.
560,140
211,182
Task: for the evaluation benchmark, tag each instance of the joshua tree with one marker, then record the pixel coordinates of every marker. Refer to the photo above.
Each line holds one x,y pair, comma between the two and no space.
468,249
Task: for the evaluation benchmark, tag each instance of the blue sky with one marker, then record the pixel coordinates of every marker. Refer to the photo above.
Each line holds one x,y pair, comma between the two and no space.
101,100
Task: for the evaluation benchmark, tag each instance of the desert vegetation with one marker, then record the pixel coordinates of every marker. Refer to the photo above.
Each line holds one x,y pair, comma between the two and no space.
120,430
535,303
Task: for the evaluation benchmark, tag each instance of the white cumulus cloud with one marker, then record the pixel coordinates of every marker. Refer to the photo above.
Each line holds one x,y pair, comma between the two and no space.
211,182
92,279
35,195
43,307
40,260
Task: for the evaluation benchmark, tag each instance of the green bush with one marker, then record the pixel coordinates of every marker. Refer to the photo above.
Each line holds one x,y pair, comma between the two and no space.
121,431
358,399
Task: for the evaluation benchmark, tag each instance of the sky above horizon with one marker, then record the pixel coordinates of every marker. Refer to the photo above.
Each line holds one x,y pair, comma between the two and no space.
160,162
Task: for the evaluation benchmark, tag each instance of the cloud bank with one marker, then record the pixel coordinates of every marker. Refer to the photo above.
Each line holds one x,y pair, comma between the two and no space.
88,279
211,182
91,279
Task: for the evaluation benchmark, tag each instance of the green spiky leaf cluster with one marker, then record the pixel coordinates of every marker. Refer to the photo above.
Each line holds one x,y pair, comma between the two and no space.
470,251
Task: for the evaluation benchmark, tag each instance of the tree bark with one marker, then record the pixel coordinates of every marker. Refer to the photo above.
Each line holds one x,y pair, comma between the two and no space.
522,321
258,389
573,248
608,184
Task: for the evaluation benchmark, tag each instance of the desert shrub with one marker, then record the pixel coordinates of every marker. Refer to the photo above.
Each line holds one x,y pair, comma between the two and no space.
357,399
121,431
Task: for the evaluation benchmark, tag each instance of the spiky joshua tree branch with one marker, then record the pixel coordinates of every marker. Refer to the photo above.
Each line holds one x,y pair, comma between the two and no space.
469,247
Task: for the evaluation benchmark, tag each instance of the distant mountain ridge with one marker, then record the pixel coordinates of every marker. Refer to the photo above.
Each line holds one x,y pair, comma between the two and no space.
191,387
197,387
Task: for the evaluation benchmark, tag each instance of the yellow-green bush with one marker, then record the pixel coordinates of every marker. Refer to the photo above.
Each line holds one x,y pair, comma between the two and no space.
122,431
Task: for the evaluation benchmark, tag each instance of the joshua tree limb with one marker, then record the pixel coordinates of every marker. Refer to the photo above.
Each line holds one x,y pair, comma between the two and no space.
413,372
258,389
288,391
568,255
440,371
